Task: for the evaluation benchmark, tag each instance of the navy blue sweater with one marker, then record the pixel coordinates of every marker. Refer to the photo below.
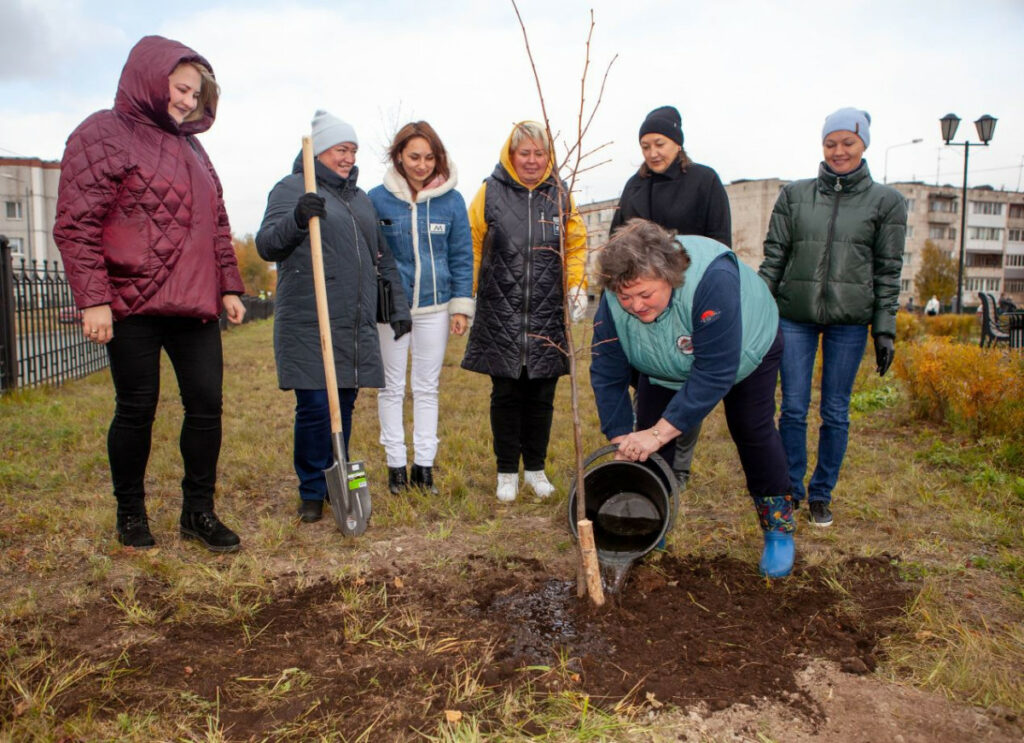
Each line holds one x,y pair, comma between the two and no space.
717,341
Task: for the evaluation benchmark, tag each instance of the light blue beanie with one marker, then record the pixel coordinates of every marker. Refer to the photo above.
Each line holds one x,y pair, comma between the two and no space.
329,130
848,120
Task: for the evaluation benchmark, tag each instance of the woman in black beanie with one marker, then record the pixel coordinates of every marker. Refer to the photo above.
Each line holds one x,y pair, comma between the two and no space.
678,194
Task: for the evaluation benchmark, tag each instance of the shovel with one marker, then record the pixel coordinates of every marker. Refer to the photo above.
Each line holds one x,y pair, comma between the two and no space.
346,481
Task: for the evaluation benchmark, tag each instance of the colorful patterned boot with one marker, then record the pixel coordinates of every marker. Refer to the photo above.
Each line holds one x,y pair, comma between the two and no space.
776,516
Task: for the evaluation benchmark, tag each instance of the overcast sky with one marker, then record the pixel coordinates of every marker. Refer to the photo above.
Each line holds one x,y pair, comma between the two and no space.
753,79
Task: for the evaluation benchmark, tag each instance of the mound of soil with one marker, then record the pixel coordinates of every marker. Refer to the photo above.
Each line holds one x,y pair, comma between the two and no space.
387,651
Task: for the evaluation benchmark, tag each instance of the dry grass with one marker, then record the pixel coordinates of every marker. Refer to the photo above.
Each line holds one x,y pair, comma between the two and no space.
951,508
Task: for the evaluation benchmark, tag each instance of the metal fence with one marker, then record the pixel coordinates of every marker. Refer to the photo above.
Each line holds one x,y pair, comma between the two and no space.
41,338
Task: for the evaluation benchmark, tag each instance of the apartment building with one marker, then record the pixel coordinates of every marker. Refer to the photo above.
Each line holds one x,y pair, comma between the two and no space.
993,250
28,203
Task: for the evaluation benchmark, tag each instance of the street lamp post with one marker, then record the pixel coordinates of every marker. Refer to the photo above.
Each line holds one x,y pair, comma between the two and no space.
885,172
986,127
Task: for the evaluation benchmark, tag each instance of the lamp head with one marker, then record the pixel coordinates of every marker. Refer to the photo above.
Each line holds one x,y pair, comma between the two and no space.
949,124
986,127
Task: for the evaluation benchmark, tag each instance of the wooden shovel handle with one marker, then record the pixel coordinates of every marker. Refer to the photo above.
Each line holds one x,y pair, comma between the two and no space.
320,290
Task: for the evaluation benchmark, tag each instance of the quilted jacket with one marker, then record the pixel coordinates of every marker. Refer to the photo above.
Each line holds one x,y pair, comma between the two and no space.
141,224
834,250
520,283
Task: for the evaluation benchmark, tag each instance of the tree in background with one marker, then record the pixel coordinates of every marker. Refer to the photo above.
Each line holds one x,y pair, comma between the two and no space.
937,276
255,271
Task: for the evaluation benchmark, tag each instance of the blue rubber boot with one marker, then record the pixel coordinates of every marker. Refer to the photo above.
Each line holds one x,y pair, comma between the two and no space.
776,516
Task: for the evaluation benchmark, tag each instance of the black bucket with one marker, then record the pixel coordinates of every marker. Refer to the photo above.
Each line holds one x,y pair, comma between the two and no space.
631,504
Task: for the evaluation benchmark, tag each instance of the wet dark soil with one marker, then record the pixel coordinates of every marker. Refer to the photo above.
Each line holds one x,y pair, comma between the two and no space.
387,650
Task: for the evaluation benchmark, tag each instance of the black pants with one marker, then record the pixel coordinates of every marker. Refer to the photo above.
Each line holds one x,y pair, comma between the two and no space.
521,414
750,415
194,348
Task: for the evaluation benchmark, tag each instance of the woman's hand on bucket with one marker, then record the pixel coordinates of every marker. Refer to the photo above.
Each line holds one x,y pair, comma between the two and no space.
639,445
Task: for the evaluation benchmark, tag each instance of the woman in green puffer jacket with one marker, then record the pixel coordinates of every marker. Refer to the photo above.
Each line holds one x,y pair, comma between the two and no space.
832,258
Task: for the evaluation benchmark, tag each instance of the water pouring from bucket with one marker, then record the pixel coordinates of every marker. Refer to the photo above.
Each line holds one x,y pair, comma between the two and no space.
632,506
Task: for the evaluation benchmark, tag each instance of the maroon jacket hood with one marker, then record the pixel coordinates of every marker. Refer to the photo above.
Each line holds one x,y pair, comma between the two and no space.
143,93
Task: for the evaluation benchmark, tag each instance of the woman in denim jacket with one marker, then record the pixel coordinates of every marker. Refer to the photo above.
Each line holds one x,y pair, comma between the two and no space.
425,223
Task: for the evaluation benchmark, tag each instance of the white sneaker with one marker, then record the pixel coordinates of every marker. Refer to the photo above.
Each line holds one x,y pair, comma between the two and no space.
539,482
508,486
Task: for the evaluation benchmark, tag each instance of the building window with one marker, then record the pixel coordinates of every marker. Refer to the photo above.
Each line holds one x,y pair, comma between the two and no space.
910,230
939,204
985,233
952,233
1015,286
910,204
1013,260
17,247
904,285
14,210
1015,235
984,260
975,284
987,207
907,256
1016,211
936,231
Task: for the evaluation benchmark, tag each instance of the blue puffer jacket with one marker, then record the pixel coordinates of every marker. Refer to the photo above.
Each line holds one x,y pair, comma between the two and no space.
436,259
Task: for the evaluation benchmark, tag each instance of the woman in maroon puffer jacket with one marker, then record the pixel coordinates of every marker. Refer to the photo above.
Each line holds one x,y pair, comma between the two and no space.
146,245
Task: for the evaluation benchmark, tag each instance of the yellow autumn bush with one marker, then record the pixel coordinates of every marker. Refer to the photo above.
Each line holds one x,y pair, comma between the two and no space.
908,326
960,327
977,390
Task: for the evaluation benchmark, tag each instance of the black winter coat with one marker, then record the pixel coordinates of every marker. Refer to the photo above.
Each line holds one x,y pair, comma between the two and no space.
691,202
351,244
519,301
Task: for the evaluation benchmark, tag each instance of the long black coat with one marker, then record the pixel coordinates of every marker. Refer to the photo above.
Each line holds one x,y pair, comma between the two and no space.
691,202
351,244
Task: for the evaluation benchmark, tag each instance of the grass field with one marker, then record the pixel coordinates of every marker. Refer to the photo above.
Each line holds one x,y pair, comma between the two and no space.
951,509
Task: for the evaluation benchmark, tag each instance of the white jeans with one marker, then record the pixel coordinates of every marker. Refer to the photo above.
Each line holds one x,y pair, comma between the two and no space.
427,341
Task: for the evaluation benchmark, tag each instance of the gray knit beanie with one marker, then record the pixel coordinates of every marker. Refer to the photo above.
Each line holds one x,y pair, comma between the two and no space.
329,130
848,120
666,121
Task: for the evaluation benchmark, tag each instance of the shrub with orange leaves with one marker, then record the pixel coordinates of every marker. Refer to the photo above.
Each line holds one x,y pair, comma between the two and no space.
962,327
977,390
908,326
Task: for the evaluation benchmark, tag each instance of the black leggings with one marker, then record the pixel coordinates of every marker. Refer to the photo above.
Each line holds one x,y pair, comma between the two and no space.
194,348
750,415
521,414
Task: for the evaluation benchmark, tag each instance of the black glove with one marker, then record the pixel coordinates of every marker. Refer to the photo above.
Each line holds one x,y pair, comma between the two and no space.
310,205
401,327
884,353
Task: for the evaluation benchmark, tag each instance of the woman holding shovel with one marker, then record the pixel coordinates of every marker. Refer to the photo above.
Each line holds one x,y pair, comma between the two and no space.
353,253
147,249
424,221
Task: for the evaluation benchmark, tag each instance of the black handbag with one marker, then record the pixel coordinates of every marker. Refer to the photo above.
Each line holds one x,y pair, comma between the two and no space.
383,300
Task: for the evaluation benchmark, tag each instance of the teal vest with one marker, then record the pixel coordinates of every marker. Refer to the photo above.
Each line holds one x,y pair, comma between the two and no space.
663,349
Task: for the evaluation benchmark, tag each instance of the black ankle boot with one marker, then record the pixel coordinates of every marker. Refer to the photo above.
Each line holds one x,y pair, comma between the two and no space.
397,481
310,511
133,531
423,477
207,528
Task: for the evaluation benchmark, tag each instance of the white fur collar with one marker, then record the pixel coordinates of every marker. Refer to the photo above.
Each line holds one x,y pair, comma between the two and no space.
399,187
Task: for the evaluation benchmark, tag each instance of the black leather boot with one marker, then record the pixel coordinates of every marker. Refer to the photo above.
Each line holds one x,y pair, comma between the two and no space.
310,511
207,528
133,531
397,481
423,477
